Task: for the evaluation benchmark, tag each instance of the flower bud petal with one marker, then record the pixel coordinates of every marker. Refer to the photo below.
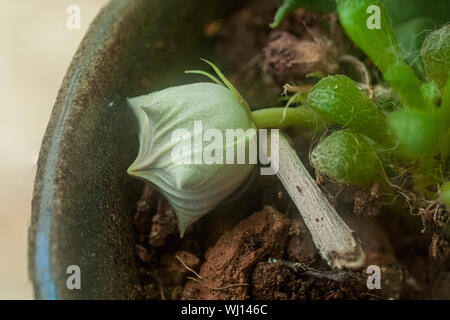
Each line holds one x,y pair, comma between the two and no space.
176,165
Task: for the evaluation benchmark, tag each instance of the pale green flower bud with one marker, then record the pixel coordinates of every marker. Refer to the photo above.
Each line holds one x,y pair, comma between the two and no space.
174,154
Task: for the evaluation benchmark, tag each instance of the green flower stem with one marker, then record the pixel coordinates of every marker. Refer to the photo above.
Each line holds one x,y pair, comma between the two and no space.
281,117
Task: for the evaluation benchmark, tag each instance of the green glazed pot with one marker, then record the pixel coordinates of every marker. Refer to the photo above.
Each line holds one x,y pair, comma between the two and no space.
83,200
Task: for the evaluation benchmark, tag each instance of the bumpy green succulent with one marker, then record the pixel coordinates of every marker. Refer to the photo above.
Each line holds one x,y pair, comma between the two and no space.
417,131
348,157
380,44
436,55
337,99
406,118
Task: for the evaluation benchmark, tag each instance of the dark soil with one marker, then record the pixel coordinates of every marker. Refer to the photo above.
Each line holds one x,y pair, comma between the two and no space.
258,247
236,252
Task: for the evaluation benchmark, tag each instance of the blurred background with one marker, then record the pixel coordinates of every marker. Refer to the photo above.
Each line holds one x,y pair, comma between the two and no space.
36,47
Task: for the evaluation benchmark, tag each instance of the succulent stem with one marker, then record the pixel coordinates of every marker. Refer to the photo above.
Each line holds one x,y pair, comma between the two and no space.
284,117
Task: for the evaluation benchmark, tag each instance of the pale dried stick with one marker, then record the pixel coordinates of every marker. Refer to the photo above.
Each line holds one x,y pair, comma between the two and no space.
336,242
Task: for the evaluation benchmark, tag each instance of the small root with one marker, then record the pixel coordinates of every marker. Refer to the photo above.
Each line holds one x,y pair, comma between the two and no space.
187,268
218,288
434,217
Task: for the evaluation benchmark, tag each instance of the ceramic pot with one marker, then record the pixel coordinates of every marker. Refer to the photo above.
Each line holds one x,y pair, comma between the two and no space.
83,200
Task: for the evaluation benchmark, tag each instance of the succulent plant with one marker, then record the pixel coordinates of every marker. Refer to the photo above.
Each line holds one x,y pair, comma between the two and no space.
195,186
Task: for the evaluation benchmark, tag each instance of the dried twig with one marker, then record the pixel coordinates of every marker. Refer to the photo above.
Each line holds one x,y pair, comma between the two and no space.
187,268
336,242
303,269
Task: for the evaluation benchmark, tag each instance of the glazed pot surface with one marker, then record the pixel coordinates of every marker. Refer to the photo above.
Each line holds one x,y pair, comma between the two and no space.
83,200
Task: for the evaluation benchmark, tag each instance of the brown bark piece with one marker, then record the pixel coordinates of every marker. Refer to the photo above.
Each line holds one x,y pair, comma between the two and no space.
225,273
